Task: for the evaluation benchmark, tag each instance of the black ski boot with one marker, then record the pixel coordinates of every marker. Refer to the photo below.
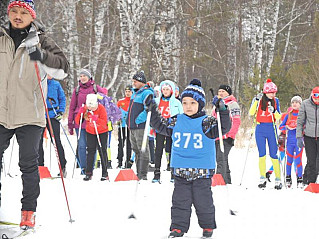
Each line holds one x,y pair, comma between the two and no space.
288,181
207,233
299,182
278,184
157,176
262,182
87,177
109,164
176,233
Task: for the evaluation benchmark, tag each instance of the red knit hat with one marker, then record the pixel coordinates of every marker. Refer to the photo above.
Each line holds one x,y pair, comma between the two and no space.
315,93
269,87
26,4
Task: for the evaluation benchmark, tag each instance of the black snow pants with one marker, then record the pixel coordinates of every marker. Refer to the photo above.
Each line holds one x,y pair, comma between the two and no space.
28,138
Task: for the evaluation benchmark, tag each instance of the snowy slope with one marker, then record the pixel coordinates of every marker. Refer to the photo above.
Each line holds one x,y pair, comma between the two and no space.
101,209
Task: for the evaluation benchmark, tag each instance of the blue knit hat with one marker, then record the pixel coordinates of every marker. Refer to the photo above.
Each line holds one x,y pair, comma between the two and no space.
195,91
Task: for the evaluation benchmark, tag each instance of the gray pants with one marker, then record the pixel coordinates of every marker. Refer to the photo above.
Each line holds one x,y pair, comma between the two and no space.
141,158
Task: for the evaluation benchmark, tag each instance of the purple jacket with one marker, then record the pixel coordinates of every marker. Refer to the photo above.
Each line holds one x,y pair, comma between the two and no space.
113,112
78,100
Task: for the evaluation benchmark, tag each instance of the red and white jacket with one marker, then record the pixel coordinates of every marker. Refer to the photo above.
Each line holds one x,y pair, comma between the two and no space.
234,110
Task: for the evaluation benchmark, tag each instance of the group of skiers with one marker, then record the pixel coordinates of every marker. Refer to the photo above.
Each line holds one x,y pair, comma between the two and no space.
299,128
192,139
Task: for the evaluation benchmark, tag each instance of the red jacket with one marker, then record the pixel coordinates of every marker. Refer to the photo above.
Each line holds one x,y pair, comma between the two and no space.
124,103
101,122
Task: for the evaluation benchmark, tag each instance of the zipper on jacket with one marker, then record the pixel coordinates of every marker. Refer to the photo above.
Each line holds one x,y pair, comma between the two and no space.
35,104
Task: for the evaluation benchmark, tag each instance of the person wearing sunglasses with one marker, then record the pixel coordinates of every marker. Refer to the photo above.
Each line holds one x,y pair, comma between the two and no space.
308,134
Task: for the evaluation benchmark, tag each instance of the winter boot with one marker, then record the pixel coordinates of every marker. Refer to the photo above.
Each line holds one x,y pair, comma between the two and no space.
299,182
105,178
278,184
207,233
176,233
129,164
64,173
87,177
157,176
109,164
27,220
288,181
262,182
268,174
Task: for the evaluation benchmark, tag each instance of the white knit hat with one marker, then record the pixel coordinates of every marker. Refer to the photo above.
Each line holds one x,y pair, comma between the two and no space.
296,98
91,100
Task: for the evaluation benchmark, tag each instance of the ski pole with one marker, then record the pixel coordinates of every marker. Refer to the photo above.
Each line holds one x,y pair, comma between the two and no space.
11,157
54,110
251,136
54,142
100,145
79,134
220,135
147,126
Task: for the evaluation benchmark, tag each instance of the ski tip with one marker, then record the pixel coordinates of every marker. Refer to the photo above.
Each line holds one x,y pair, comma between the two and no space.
233,213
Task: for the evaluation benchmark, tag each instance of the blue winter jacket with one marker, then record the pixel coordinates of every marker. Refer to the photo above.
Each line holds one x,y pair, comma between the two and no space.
55,98
136,116
175,106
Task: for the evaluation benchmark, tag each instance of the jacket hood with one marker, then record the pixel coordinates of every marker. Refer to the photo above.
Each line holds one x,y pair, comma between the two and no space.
172,85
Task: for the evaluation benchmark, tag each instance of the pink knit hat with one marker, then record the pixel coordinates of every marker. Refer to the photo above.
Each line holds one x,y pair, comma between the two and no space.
269,87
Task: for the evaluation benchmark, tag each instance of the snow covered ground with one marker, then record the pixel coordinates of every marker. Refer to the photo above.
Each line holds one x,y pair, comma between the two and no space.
101,209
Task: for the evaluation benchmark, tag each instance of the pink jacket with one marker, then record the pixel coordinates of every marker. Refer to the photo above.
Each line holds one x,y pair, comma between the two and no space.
234,110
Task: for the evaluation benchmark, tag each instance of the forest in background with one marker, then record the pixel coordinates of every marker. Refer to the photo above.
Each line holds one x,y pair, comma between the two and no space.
235,42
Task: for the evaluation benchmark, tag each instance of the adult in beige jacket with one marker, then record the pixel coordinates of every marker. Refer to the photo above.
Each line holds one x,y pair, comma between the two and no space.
22,113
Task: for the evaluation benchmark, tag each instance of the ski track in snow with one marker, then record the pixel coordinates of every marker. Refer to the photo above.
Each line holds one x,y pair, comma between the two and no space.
101,209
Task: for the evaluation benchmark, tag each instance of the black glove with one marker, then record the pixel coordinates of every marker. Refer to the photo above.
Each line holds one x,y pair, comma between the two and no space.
230,141
220,105
37,55
58,116
149,102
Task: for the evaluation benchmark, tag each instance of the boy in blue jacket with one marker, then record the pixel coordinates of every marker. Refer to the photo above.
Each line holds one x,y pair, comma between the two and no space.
193,158
56,107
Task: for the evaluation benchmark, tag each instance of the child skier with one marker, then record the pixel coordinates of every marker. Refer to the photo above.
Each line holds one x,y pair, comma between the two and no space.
265,107
96,128
169,107
193,158
294,153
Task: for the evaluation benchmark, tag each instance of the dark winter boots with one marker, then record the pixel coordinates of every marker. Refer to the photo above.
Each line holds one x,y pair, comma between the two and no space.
299,182
87,177
157,176
288,181
176,233
207,233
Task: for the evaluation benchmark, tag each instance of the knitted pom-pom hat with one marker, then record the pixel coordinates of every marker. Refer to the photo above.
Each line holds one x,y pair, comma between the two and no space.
269,87
195,91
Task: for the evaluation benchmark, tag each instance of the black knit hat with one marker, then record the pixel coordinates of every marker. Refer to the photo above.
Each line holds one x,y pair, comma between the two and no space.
140,76
226,88
195,91
129,87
